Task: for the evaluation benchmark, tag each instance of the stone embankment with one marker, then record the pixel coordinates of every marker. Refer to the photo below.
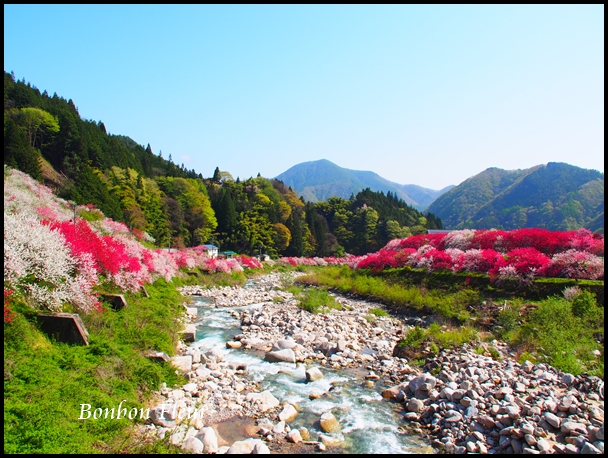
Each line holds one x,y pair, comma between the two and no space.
467,402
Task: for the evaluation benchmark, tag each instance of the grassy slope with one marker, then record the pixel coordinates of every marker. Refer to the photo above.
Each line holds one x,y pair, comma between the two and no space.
45,382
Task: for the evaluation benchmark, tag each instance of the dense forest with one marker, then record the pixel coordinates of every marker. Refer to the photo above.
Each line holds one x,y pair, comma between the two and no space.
45,137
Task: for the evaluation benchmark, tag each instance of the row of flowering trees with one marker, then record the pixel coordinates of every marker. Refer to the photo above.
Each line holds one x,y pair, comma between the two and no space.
545,241
55,259
521,254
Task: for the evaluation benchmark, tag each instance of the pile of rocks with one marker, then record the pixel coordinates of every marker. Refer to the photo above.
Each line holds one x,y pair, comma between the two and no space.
474,403
479,405
266,289
348,338
464,402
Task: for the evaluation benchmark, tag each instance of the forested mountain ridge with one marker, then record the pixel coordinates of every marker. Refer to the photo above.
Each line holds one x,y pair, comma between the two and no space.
38,125
45,137
319,180
555,196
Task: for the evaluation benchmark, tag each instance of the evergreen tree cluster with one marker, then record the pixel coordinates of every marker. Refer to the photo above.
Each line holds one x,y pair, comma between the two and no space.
178,207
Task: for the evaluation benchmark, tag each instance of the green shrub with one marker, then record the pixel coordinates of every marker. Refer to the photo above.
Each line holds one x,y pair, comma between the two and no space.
371,319
434,330
435,372
295,290
507,319
566,340
467,298
316,300
527,356
567,362
378,311
584,304
90,215
417,362
413,338
479,350
457,336
494,353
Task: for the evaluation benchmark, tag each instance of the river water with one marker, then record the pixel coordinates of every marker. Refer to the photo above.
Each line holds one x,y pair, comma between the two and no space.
368,423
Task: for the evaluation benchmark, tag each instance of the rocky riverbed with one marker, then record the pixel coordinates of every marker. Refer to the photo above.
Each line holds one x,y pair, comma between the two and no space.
467,402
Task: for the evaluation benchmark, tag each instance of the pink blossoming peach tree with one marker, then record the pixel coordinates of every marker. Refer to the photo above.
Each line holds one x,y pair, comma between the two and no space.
521,254
53,259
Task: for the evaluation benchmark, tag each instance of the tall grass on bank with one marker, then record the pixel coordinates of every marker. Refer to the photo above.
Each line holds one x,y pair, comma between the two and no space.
209,280
565,334
563,331
346,280
46,382
444,337
317,300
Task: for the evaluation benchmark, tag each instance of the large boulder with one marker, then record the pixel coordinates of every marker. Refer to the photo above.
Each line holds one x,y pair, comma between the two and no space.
215,355
329,422
330,441
289,413
184,363
395,392
190,333
279,428
287,356
256,344
266,400
415,405
284,344
193,445
424,381
248,446
553,419
294,436
304,434
260,448
163,415
209,439
313,374
570,427
241,448
157,356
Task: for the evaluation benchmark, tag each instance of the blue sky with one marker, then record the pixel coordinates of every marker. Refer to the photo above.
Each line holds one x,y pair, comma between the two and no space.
428,95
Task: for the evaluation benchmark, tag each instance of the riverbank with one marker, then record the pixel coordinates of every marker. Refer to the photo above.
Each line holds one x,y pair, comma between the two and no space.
465,402
54,391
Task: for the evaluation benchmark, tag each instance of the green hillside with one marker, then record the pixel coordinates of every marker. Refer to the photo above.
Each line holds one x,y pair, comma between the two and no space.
555,196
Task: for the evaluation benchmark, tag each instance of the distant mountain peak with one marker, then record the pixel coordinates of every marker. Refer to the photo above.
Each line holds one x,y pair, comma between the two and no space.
318,180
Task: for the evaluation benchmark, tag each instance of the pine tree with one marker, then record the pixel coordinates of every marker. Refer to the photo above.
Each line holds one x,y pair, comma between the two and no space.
294,224
18,153
217,177
226,213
